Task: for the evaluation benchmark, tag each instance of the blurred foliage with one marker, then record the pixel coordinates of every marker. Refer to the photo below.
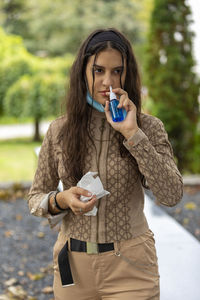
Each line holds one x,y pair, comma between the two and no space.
13,169
56,28
11,70
10,45
30,85
11,49
45,95
11,16
172,84
37,96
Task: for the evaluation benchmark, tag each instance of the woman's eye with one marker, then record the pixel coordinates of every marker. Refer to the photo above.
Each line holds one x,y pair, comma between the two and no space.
98,70
118,71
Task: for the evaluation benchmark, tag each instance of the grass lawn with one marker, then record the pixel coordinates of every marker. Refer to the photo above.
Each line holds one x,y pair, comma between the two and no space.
6,120
17,160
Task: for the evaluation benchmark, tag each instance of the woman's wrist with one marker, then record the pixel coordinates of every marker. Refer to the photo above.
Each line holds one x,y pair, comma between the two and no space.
60,201
56,203
129,133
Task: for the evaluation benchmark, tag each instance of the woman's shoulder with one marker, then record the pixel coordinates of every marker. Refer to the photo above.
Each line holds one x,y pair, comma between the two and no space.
56,127
150,123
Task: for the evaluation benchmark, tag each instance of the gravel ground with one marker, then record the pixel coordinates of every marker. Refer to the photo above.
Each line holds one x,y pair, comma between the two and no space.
27,245
26,250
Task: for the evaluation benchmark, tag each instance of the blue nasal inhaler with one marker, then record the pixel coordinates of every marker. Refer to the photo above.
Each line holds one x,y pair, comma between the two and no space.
117,113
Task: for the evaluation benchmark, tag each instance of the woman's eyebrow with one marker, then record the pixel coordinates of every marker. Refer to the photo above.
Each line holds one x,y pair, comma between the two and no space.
98,66
102,67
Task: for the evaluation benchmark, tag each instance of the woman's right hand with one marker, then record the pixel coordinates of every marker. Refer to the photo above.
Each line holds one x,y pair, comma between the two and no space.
71,199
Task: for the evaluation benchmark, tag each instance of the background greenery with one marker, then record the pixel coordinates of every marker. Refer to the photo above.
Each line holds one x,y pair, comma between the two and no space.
17,160
52,28
171,81
38,43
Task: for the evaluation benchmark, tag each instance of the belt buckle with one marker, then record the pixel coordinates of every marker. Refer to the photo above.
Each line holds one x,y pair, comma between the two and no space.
92,248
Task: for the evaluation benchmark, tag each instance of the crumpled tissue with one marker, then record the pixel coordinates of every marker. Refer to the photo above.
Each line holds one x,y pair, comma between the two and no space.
93,185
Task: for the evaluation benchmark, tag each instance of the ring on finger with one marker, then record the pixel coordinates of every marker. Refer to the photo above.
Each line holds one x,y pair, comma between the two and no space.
80,210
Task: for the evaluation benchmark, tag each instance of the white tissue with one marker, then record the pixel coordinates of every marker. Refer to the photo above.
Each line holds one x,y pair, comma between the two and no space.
93,185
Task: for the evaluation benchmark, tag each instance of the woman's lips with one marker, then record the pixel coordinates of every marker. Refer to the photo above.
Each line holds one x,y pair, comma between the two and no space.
103,93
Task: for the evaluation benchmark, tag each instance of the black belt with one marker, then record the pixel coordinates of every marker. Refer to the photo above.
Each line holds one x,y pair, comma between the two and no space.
90,248
78,246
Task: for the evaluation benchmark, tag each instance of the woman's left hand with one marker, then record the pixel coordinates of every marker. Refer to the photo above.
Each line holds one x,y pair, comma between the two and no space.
129,126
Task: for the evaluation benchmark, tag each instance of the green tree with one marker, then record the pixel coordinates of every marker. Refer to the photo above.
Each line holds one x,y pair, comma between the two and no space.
14,62
36,96
13,16
10,71
57,27
23,76
171,80
10,45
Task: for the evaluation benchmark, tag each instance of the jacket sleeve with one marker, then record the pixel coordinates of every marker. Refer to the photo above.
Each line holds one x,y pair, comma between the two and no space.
45,181
154,156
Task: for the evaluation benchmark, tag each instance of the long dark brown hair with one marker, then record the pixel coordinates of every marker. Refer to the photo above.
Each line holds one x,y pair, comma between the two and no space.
76,130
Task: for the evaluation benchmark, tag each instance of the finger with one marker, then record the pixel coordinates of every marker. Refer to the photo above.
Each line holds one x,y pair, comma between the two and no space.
77,204
78,210
125,104
80,191
107,112
121,101
106,108
78,213
84,207
89,205
120,91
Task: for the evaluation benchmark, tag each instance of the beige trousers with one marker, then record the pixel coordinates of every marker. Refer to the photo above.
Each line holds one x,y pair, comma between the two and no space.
130,272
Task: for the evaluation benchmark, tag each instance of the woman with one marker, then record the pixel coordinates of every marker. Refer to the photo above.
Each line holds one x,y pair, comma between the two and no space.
111,255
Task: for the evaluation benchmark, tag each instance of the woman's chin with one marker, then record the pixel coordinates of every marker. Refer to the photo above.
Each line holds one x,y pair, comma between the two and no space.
102,100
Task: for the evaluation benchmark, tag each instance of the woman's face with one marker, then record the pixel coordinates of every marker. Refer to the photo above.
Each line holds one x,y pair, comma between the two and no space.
108,68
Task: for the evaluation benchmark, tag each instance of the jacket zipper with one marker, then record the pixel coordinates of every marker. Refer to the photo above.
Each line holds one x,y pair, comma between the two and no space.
101,138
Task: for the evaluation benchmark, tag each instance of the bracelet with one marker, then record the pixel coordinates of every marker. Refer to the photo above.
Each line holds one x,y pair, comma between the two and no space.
56,203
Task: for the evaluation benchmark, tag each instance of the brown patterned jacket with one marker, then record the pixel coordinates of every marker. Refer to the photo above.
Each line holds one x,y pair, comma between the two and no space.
120,215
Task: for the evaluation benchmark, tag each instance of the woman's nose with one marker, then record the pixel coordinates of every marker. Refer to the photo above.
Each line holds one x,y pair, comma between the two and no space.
107,80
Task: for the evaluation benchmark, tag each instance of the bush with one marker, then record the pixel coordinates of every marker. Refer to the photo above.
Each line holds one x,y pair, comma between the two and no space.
16,62
46,94
36,96
59,65
11,70
17,97
11,45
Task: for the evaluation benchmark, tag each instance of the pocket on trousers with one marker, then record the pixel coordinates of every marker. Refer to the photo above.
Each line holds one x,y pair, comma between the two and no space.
142,256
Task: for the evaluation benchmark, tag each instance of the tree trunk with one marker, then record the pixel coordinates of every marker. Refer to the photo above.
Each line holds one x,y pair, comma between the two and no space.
37,131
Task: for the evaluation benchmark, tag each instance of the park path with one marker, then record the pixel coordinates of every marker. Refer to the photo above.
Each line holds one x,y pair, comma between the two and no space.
21,130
